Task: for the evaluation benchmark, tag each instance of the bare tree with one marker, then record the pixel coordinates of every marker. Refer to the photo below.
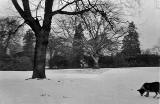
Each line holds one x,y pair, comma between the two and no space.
102,29
42,29
8,32
56,43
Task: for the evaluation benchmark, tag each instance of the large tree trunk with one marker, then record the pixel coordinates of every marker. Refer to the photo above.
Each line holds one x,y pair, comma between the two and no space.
40,55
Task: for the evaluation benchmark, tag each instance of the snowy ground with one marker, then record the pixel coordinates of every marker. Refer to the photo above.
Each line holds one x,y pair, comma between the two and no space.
104,86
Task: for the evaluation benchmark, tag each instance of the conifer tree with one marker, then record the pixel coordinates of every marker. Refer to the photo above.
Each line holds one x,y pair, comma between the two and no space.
131,44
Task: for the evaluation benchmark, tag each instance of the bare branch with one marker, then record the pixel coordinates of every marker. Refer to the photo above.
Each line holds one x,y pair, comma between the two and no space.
26,7
69,3
19,9
70,13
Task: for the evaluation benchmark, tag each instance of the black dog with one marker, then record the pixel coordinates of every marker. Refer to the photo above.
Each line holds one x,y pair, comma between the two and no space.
150,87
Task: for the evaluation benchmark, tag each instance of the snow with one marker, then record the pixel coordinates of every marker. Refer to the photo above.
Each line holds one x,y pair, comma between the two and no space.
104,86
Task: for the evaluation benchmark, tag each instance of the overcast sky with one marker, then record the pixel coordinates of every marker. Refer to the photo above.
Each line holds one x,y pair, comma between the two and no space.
147,21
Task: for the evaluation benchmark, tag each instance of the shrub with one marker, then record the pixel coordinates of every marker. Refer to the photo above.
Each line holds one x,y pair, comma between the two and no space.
23,64
58,62
16,64
113,61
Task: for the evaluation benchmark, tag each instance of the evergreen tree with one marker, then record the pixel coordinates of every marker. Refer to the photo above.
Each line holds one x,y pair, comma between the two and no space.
131,44
28,47
78,46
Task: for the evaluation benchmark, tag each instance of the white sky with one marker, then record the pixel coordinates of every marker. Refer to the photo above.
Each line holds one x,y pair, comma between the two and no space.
148,22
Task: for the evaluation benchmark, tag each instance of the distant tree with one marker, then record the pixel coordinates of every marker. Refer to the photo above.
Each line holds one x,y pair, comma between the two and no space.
155,50
101,34
29,41
8,32
131,44
57,46
78,45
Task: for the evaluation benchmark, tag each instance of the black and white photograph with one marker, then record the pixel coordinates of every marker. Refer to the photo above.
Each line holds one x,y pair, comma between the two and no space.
79,51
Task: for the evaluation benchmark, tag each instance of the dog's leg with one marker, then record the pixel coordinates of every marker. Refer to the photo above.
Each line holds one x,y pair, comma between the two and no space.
147,94
155,95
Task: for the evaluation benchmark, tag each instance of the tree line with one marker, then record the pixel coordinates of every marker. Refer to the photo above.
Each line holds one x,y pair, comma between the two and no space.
83,34
69,51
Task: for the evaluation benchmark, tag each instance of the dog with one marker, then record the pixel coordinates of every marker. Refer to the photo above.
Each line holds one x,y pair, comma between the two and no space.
150,87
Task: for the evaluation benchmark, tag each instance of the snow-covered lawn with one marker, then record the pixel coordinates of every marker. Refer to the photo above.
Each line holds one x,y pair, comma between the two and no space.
104,86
